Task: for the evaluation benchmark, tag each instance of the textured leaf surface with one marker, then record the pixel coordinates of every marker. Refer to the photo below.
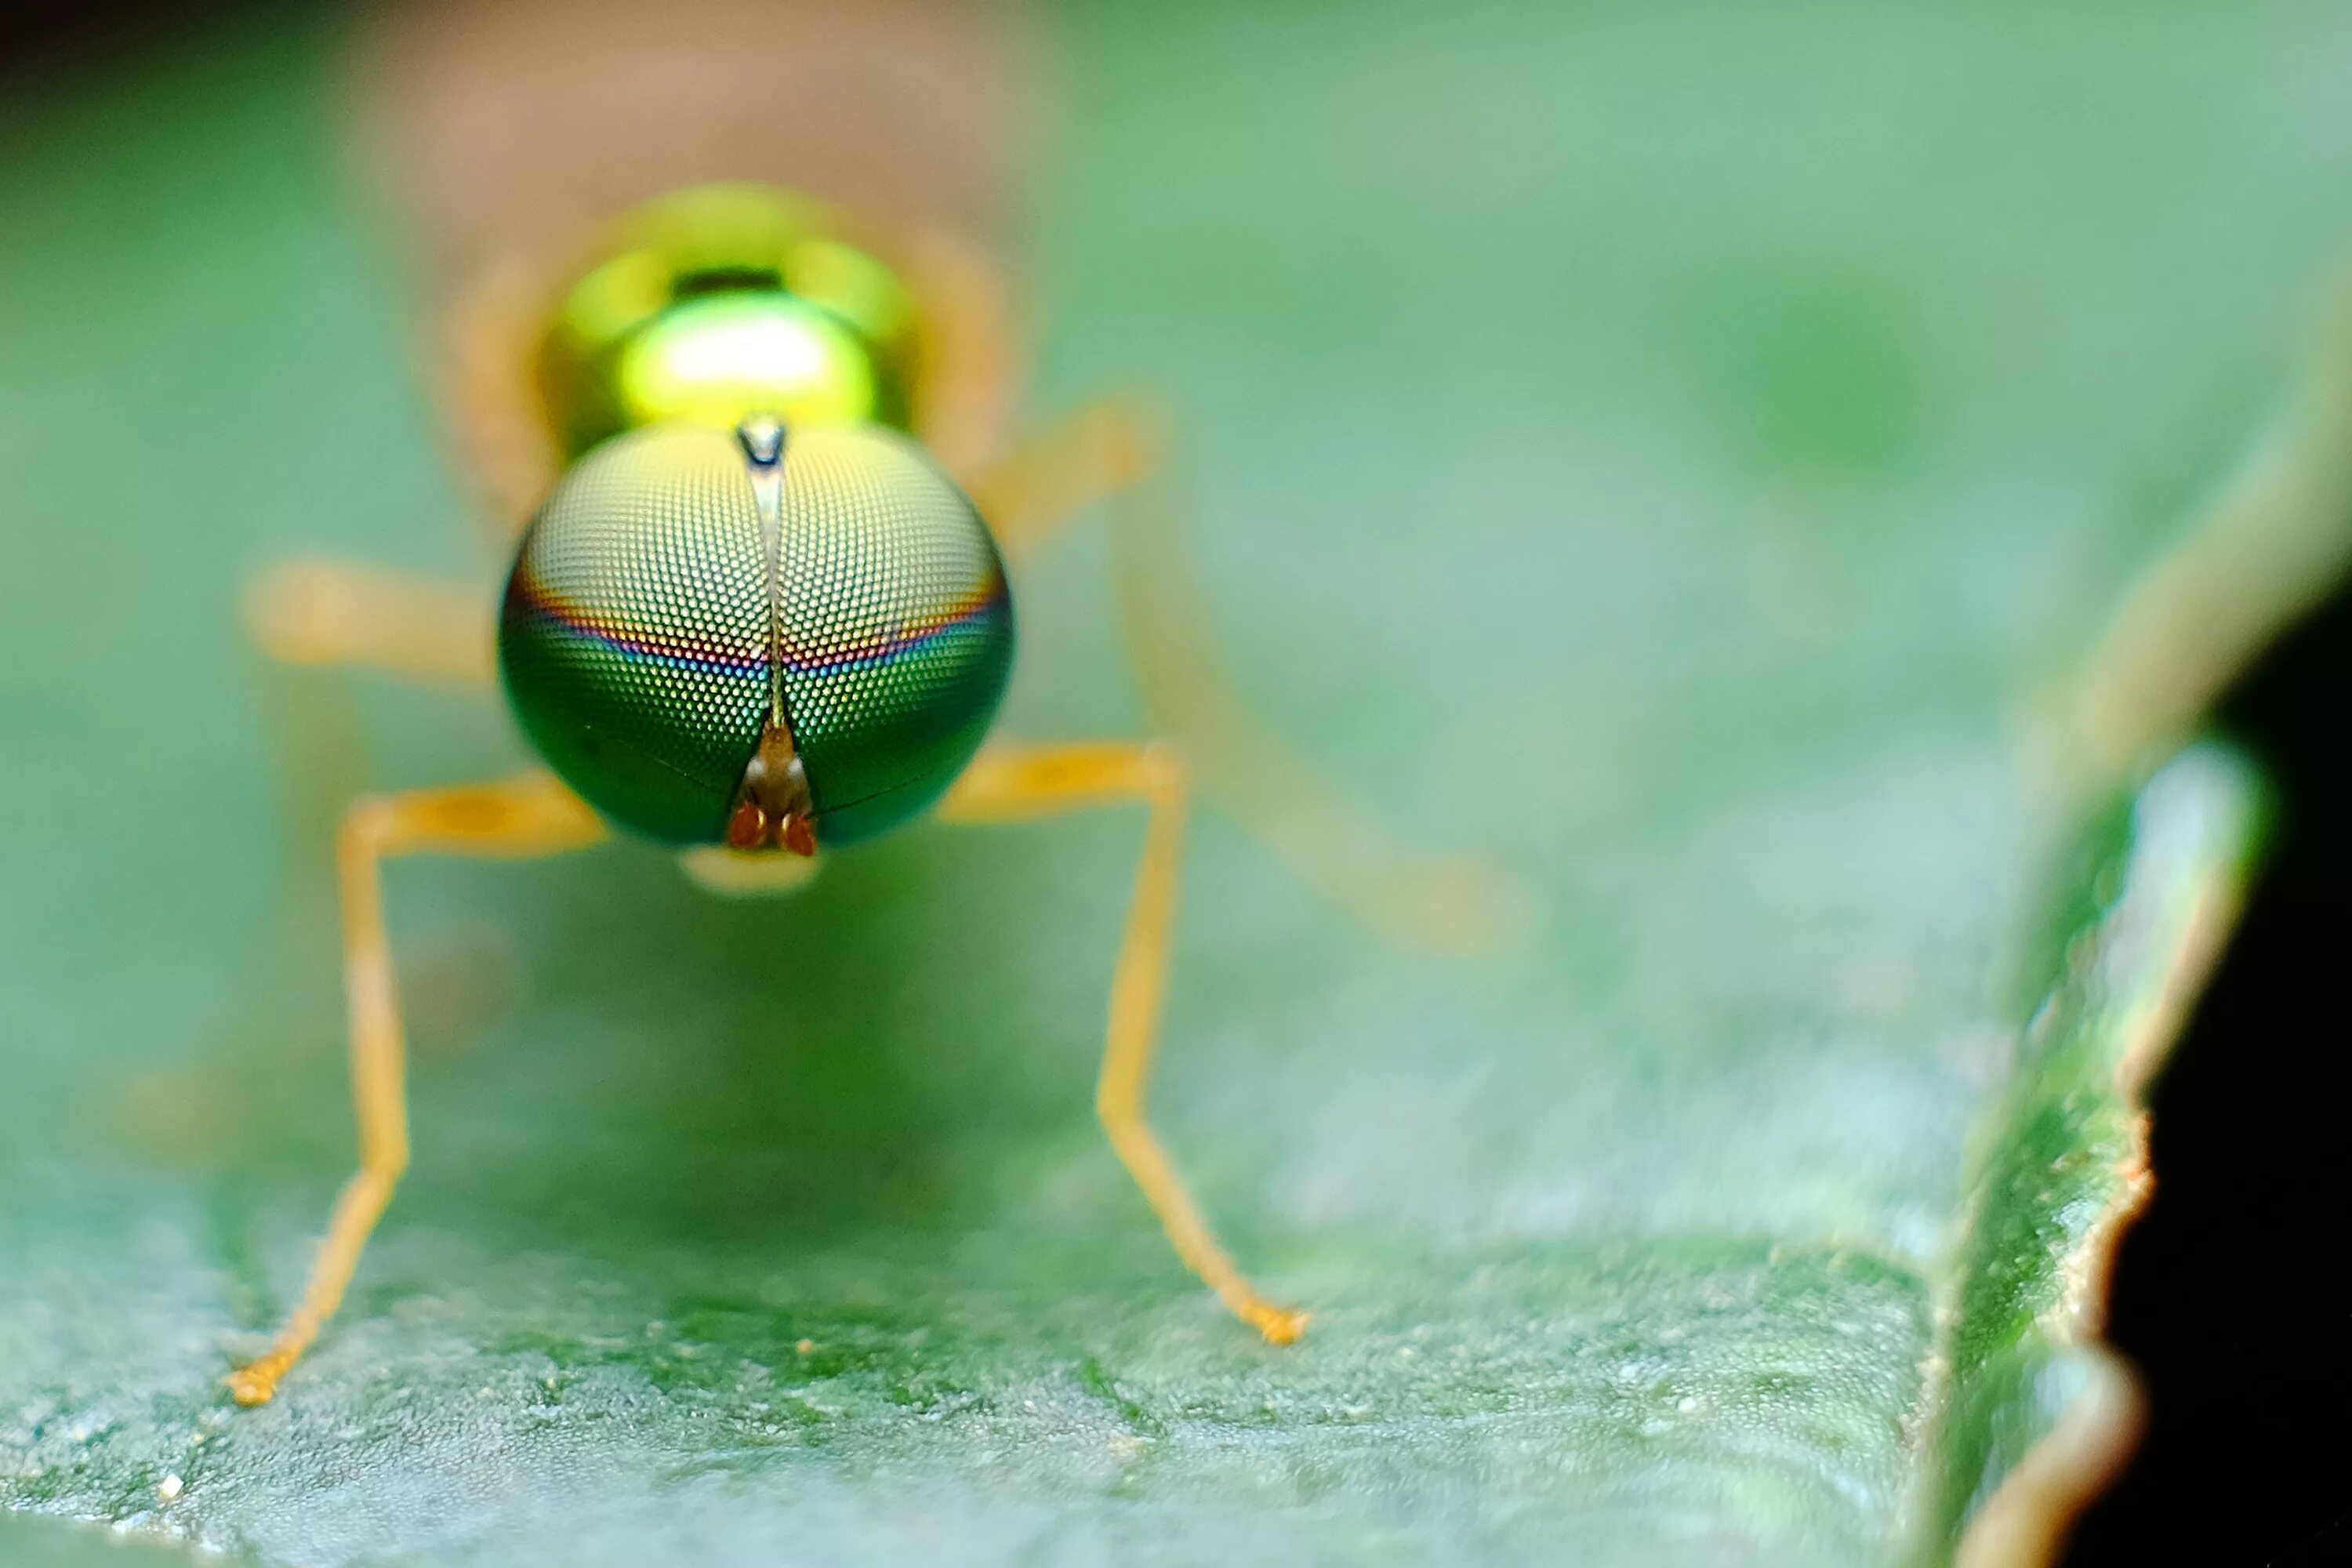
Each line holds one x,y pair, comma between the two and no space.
1665,447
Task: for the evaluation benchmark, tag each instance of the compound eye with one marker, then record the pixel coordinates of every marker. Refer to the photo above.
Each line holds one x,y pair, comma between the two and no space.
636,637
895,626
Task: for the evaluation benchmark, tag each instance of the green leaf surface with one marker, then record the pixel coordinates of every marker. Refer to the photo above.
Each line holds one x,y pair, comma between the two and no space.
1668,449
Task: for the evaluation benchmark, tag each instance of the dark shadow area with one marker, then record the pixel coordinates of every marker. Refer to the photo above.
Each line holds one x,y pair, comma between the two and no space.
2227,1295
44,37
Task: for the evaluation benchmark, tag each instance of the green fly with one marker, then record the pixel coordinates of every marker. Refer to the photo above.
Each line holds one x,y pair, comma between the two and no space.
758,616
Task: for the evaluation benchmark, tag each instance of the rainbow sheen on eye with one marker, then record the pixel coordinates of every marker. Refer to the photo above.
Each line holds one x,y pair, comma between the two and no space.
635,641
894,634
655,625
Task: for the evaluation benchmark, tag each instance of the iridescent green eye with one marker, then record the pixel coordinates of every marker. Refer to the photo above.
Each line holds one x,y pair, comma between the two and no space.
680,607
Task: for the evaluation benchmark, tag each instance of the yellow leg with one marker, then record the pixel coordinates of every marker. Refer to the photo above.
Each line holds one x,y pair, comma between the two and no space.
305,616
497,425
1324,832
331,613
1113,450
970,371
530,814
1012,783
1108,446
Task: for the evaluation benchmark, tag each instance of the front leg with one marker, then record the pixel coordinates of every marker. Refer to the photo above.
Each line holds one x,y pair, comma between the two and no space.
1015,783
531,814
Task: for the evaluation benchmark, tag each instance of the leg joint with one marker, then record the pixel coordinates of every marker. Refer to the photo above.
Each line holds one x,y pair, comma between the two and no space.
1166,774
368,826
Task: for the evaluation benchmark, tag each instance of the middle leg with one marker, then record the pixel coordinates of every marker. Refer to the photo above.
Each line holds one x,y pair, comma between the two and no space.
329,612
1111,454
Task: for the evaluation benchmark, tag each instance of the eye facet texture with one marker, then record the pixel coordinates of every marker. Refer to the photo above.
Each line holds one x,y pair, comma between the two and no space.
654,621
636,634
896,623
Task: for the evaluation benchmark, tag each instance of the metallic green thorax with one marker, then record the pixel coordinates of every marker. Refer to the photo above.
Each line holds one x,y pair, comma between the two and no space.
675,600
753,611
721,303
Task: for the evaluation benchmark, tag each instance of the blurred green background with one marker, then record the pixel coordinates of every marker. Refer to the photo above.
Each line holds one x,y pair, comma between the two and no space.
1670,450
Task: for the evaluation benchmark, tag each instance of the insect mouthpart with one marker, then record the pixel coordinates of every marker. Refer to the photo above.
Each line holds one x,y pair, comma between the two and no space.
773,809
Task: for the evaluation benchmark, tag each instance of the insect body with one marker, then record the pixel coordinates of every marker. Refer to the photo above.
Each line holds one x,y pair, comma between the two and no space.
753,611
754,618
